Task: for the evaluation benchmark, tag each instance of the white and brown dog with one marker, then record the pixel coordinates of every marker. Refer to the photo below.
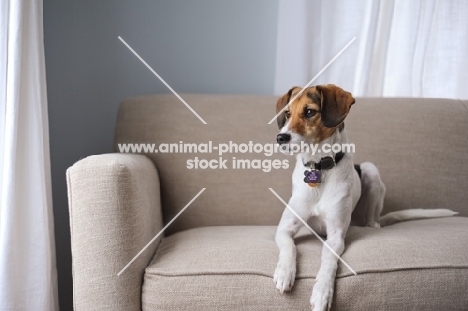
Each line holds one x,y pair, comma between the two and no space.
329,192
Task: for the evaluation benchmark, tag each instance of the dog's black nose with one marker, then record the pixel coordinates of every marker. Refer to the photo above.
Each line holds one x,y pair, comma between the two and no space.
283,138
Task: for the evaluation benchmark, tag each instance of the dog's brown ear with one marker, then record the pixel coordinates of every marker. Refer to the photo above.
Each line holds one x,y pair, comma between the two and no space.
283,101
336,103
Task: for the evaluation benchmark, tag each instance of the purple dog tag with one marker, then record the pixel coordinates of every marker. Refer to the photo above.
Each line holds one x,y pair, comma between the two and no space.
312,176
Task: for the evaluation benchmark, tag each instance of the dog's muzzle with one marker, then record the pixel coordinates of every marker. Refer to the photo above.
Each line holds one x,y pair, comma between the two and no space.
283,138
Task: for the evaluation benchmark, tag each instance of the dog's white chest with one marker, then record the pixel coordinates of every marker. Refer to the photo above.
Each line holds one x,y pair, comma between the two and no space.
337,185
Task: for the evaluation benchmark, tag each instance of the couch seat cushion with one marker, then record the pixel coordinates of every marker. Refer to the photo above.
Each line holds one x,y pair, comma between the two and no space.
414,265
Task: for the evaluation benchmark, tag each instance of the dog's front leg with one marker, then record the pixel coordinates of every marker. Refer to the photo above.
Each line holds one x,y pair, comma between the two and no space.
285,272
322,293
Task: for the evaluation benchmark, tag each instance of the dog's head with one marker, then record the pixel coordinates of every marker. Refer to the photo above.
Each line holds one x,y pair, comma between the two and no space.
314,115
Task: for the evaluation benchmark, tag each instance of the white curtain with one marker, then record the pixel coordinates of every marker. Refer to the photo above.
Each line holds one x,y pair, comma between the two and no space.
28,277
416,48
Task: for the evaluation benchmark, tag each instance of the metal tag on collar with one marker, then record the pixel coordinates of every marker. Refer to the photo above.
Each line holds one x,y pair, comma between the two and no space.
312,177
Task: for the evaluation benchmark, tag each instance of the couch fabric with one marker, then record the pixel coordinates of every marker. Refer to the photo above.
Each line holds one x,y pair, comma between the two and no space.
231,268
220,253
114,211
417,144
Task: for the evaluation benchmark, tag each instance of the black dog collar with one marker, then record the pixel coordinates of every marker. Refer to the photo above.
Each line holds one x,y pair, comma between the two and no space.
314,176
326,163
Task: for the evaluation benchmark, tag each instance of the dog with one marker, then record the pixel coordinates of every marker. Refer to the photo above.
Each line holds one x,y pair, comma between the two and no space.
329,192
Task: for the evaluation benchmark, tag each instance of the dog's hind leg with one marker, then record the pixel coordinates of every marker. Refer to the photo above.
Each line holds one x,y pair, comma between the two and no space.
370,204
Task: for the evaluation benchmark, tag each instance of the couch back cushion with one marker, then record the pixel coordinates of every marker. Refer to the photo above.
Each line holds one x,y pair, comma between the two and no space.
419,146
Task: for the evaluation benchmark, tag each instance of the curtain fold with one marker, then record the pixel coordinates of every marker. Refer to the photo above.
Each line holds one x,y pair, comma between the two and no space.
403,48
28,276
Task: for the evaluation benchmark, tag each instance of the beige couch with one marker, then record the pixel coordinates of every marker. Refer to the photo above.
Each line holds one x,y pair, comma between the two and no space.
220,253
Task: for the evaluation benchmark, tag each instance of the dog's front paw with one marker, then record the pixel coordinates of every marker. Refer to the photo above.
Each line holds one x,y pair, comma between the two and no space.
284,277
322,296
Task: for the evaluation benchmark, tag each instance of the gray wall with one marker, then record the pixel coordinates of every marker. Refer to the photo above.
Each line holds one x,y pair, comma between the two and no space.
203,46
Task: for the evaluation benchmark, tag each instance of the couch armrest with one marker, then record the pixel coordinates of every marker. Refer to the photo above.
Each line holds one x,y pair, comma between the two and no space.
115,210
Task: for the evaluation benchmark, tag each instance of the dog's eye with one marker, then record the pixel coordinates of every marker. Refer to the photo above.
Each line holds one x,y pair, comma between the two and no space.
287,113
310,113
